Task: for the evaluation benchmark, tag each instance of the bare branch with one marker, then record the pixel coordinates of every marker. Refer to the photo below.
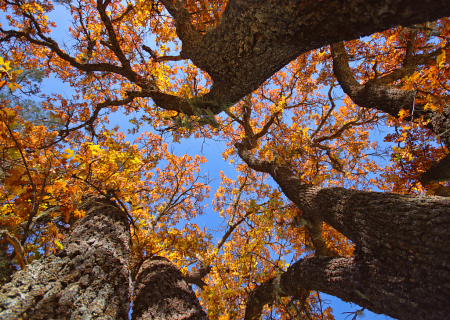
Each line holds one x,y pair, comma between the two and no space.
18,249
161,58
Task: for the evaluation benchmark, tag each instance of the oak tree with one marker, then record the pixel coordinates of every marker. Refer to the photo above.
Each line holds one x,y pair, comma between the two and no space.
296,90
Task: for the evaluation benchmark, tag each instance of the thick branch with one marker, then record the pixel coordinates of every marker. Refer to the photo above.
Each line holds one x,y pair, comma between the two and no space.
185,29
325,274
389,231
377,94
439,172
195,277
253,40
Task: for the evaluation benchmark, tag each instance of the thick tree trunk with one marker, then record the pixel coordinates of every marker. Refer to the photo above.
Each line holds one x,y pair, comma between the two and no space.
88,279
401,266
161,293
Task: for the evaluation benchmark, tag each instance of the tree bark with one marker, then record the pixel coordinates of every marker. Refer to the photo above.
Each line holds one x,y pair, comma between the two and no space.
87,279
378,94
251,41
401,265
161,293
255,39
6,267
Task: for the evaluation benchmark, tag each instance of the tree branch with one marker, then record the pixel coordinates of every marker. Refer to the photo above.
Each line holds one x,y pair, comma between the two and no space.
376,223
162,58
18,249
325,274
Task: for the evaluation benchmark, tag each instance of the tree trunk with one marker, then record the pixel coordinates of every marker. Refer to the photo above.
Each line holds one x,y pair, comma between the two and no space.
87,279
161,293
401,266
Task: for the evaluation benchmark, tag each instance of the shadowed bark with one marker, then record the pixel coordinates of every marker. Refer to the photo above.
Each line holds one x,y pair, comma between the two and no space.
161,293
6,267
401,264
87,279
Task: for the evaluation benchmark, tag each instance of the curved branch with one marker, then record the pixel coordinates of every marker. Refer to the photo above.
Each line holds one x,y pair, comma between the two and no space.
253,40
389,230
377,94
325,274
185,29
115,46
18,249
438,172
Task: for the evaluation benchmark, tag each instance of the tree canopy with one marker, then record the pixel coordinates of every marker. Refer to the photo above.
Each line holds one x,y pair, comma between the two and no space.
318,104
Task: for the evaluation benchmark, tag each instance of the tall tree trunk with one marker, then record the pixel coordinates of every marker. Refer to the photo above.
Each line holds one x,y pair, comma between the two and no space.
401,266
161,293
87,279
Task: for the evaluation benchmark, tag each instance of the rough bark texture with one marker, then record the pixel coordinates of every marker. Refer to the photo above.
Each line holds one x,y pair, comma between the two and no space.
161,293
87,279
255,39
401,266
6,268
252,40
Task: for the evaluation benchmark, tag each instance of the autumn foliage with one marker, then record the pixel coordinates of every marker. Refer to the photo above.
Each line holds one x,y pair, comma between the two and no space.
124,58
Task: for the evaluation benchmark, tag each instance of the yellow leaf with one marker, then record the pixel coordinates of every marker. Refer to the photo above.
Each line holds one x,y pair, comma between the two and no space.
59,245
70,152
13,86
440,59
10,113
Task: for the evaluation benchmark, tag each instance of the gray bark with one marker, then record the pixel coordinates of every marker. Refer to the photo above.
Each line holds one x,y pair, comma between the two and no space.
87,279
162,293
